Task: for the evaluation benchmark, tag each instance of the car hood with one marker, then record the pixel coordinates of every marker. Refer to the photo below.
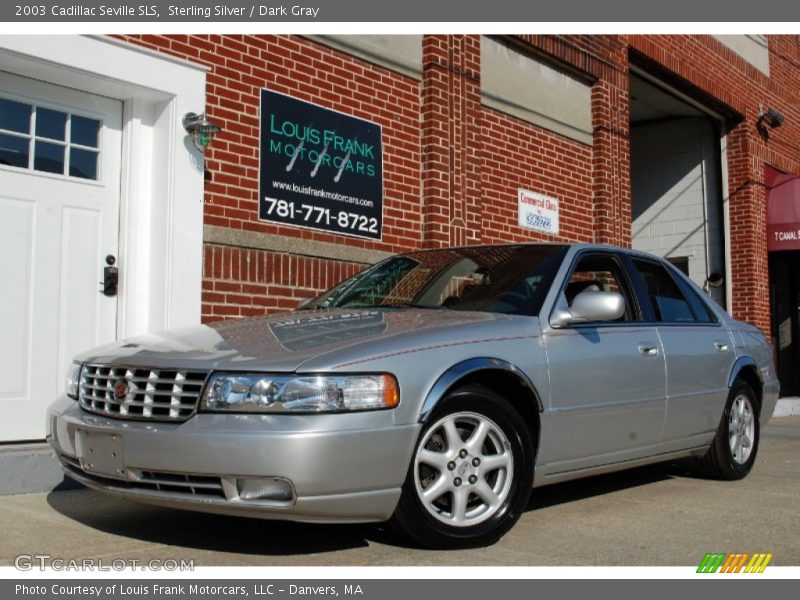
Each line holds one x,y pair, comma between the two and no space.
308,340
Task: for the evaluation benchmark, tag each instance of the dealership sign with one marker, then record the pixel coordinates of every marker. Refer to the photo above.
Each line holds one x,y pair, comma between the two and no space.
537,211
319,168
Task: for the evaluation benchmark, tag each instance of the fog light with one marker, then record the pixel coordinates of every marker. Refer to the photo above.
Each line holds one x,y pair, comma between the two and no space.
264,488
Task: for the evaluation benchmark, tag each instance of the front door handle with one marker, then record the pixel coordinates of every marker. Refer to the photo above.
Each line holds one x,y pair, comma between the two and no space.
721,346
648,349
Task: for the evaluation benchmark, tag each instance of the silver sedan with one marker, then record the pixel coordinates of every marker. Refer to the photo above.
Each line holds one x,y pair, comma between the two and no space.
435,389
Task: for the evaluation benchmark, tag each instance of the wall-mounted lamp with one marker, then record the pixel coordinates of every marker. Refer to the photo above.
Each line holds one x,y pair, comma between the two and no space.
201,129
772,118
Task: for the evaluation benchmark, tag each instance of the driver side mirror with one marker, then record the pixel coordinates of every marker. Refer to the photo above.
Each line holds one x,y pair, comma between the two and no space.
587,307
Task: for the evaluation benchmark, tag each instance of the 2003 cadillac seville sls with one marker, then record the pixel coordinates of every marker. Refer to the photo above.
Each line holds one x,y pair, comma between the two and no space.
435,389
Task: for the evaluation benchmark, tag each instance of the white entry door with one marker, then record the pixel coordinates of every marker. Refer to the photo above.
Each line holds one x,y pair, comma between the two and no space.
59,220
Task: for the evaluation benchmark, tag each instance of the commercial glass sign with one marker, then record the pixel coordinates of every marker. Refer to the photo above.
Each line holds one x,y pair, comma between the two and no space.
319,168
537,211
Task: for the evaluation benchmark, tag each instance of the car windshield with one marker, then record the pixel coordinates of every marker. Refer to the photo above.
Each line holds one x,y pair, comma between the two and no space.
503,279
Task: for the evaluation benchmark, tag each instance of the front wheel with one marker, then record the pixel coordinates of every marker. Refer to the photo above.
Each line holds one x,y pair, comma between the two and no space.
733,451
471,474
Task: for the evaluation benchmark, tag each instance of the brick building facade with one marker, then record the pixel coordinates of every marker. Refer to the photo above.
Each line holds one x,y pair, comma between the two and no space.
453,164
652,141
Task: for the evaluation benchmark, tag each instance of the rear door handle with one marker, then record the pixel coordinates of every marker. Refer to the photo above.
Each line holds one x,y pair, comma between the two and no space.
721,346
648,349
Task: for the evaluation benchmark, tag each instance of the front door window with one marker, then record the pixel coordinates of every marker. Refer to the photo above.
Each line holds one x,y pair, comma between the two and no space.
48,140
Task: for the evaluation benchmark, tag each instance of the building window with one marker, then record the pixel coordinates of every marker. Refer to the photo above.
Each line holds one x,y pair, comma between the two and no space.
47,140
681,263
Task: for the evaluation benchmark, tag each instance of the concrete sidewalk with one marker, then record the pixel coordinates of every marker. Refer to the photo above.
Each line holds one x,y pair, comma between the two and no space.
660,515
787,407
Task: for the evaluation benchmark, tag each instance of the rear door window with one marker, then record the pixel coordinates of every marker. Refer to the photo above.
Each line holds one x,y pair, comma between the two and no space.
702,313
668,301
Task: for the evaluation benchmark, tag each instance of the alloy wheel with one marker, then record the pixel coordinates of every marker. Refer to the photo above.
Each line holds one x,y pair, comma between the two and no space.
463,469
741,429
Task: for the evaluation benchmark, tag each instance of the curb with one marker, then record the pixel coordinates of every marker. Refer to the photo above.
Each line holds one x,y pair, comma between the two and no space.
786,407
28,468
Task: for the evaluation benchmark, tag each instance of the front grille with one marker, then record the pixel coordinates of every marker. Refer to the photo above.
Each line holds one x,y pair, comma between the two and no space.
199,486
135,393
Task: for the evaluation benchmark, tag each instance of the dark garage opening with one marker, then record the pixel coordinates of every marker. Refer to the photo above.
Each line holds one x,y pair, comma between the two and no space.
677,202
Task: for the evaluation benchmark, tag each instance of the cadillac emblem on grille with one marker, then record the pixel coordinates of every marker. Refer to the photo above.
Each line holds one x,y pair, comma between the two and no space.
140,393
120,389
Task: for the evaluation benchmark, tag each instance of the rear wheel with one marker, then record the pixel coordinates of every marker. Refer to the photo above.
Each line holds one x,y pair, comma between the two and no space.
733,451
471,474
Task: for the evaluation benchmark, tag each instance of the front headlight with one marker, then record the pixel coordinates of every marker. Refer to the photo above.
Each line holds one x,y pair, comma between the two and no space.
73,380
257,392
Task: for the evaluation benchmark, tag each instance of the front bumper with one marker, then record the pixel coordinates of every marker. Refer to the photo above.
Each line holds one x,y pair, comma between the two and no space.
342,467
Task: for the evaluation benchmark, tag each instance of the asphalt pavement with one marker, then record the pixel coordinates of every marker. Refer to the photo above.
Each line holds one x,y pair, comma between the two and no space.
657,515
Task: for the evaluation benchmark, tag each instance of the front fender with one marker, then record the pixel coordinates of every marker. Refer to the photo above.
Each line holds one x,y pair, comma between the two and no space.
468,367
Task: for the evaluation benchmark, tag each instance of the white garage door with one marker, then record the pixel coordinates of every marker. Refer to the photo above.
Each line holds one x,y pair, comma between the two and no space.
677,200
59,217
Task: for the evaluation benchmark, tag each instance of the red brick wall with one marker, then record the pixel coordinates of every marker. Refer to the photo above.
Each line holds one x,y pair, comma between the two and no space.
241,65
516,154
452,167
603,60
240,282
451,140
702,67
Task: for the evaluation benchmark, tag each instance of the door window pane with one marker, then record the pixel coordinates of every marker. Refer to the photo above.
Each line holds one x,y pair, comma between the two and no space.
599,273
83,163
15,116
666,298
702,313
62,143
48,157
14,150
84,131
51,123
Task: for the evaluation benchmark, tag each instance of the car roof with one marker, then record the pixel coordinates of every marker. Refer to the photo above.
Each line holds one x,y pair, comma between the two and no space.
573,245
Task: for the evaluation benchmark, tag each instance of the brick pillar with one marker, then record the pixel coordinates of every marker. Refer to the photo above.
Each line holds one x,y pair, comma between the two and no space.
451,105
748,229
611,172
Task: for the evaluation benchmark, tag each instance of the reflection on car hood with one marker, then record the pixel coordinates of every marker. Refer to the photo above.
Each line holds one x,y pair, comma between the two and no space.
307,339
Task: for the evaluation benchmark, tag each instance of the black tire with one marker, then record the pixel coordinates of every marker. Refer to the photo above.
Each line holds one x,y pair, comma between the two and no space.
722,461
484,521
